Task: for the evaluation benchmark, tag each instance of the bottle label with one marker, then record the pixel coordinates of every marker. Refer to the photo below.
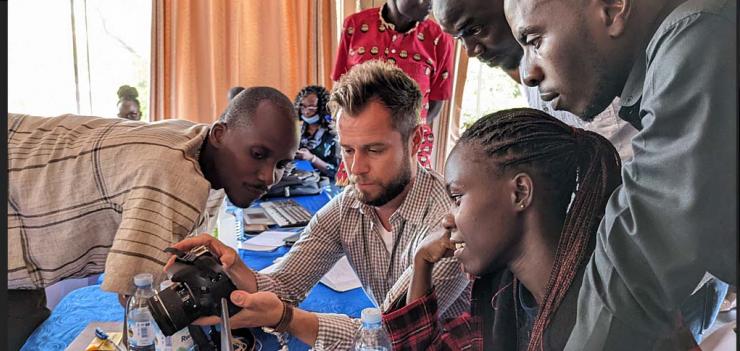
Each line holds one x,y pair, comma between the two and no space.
180,341
142,334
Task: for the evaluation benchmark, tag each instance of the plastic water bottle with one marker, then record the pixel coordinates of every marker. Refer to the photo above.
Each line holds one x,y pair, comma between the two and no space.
141,326
180,341
372,336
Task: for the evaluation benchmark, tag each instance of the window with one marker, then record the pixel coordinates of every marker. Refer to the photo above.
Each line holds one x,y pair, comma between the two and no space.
71,56
487,90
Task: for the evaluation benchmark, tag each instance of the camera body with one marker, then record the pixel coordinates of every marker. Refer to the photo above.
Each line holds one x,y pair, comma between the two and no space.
199,283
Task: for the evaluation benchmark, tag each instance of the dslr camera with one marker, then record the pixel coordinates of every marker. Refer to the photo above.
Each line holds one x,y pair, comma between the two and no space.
199,283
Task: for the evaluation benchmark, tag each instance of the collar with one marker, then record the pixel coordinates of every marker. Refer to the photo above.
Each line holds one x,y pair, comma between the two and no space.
393,26
632,91
409,209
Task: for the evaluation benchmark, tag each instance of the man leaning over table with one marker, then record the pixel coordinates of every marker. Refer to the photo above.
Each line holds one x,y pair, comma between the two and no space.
92,194
377,222
674,218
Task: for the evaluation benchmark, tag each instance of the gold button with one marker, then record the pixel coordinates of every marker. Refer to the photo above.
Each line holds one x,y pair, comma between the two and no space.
429,61
391,61
361,50
436,41
393,51
374,50
403,54
428,71
394,37
386,51
445,75
381,27
350,30
417,57
420,36
364,28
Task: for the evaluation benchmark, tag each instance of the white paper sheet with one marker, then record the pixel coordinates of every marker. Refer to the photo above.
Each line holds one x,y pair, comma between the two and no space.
266,241
341,277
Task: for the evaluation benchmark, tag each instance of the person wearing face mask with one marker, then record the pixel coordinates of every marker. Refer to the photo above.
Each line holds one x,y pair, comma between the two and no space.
318,143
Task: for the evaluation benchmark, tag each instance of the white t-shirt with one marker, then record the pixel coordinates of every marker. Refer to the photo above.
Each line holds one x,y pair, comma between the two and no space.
387,237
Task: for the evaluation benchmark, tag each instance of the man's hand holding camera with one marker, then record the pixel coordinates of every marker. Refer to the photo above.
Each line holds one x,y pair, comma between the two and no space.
257,309
238,272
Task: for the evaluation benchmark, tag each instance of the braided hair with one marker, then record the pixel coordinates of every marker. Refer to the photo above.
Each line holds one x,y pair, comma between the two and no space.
570,160
322,109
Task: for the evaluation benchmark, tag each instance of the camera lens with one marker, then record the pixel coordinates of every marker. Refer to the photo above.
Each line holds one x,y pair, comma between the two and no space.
173,308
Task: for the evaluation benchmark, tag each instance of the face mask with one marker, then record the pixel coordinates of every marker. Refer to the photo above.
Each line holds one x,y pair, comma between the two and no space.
310,120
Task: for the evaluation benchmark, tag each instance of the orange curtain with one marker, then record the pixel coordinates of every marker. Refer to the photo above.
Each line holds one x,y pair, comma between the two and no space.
200,49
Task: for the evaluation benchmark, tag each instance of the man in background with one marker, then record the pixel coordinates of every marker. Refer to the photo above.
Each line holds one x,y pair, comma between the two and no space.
401,33
482,28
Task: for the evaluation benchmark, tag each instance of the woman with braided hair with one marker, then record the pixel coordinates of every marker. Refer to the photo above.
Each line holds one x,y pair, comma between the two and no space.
318,140
529,194
128,103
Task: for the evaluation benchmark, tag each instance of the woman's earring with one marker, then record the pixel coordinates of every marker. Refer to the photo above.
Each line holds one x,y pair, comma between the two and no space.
521,205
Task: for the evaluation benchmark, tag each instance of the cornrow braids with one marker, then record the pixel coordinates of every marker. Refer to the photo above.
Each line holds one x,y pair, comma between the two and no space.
322,105
571,160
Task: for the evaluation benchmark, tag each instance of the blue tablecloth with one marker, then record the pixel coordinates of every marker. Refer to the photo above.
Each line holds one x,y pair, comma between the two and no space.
89,304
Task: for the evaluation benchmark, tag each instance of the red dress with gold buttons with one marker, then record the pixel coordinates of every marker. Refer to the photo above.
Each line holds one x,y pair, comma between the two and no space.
424,52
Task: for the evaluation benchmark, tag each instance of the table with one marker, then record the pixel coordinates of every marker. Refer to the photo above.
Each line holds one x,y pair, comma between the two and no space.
88,304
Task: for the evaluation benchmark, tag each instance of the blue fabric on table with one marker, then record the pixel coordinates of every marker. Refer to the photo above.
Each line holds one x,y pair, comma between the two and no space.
88,304
70,317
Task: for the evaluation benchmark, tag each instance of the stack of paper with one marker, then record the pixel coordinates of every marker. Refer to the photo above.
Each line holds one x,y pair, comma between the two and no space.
267,241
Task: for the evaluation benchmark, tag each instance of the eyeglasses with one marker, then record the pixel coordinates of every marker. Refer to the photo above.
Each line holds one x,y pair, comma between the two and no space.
310,107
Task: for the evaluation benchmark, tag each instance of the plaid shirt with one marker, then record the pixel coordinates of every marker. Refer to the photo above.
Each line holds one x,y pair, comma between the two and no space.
416,326
89,194
345,226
